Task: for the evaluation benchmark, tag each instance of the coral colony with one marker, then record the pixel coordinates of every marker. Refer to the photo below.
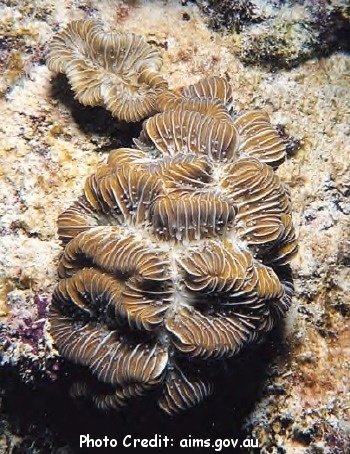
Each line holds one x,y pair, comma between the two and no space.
178,249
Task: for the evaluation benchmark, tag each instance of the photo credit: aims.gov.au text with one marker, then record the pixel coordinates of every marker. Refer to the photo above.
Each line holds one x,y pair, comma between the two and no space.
163,441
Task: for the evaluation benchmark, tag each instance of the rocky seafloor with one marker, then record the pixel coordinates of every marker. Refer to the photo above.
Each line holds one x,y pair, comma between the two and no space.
291,392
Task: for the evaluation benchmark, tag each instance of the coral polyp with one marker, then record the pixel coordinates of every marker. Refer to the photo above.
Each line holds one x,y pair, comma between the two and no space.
176,252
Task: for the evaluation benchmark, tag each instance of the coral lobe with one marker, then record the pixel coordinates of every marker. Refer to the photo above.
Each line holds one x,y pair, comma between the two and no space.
116,70
177,250
174,243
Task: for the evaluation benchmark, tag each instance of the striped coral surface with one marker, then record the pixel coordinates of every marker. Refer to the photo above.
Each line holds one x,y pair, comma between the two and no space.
177,251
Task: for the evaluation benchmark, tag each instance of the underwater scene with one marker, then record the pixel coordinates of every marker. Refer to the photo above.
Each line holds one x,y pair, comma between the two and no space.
175,226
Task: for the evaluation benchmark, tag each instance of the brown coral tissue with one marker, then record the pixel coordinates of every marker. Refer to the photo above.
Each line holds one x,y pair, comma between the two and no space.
176,253
118,71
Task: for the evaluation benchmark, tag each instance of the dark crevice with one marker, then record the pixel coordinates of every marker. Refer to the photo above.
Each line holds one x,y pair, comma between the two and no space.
106,132
56,420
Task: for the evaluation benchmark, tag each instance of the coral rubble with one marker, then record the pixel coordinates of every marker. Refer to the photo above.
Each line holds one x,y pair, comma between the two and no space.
230,14
281,34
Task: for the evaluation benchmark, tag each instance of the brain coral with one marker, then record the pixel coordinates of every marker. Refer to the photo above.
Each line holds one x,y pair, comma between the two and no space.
176,252
116,70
